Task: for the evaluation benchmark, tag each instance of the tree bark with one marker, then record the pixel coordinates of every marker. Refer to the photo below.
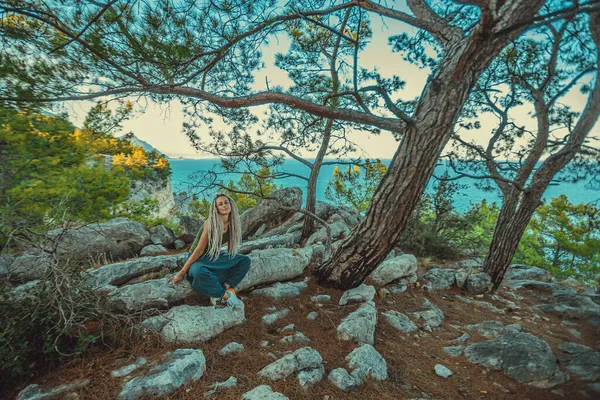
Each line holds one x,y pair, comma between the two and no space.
398,193
515,214
512,222
311,195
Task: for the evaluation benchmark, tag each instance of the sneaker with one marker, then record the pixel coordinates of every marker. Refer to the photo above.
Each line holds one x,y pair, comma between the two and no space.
233,301
217,301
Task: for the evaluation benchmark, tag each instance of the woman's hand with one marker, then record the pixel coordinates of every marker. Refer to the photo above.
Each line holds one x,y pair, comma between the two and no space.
177,278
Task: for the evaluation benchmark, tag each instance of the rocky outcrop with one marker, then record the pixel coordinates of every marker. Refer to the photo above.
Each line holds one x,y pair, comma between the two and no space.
521,356
188,325
156,293
117,239
269,212
31,265
157,189
182,366
401,267
359,325
120,273
275,265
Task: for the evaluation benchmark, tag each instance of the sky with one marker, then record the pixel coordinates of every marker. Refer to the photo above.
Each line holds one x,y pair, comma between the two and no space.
161,125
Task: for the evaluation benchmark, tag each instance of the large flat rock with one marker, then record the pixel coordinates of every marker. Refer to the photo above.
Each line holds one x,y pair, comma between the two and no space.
188,325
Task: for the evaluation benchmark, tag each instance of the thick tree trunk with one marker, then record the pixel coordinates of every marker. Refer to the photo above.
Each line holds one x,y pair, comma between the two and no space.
512,222
413,164
311,195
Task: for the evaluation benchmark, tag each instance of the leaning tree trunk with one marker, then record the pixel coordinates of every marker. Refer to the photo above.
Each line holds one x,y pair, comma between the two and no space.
398,193
311,195
512,222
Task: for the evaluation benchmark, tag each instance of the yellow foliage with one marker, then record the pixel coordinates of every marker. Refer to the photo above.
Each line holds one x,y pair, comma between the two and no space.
162,163
137,159
119,159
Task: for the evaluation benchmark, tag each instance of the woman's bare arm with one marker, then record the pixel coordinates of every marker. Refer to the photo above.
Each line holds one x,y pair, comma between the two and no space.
202,243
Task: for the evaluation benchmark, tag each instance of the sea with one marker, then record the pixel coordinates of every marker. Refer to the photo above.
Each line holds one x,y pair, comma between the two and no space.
187,174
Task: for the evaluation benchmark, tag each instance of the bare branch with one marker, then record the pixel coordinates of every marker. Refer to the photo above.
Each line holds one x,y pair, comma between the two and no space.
426,19
261,98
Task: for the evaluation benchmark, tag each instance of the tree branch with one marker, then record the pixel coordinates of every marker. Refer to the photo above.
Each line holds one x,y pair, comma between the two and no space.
390,124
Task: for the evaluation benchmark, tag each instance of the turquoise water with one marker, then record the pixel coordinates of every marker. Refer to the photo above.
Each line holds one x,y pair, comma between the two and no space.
579,192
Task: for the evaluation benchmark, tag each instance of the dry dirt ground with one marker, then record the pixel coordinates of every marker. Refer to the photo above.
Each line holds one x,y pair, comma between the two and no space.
410,357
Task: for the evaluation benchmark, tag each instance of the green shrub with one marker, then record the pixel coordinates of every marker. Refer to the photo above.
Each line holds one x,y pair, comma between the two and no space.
46,325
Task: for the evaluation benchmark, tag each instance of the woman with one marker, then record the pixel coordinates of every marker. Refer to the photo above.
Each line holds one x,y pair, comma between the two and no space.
211,271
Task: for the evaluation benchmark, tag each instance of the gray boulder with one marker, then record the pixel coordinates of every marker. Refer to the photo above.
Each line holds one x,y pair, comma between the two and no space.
479,283
5,261
271,241
153,250
182,367
399,321
573,305
293,224
454,351
583,362
525,272
529,284
339,230
358,294
365,362
37,392
120,273
343,380
30,266
461,277
270,211
179,244
191,227
521,356
493,329
221,386
157,293
280,290
440,278
310,377
263,392
431,314
404,266
162,235
275,265
359,325
301,359
187,324
117,239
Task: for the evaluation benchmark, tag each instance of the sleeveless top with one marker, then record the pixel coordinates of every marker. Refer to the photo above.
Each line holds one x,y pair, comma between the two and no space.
224,240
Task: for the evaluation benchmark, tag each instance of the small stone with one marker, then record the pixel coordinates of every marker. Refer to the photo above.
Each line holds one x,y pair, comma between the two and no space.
461,339
312,315
454,351
289,327
442,371
263,392
322,298
128,369
264,343
270,319
231,348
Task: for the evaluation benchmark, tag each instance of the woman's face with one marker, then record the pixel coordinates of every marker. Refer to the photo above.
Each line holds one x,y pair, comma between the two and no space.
223,205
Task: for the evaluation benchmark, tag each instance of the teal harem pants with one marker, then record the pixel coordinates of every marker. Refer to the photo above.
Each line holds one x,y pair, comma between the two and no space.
207,276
